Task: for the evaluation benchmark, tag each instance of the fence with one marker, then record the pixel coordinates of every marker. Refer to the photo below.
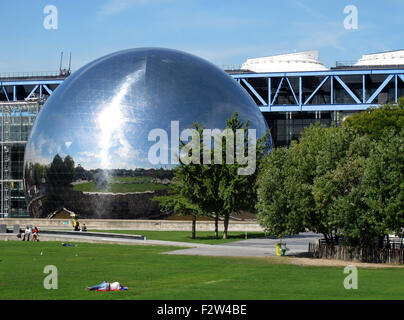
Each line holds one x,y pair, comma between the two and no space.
394,254
35,74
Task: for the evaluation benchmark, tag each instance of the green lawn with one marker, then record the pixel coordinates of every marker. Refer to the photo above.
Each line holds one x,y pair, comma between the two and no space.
120,187
185,236
153,276
130,179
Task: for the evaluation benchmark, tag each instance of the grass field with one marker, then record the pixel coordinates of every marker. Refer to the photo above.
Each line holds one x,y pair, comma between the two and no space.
151,275
185,236
120,187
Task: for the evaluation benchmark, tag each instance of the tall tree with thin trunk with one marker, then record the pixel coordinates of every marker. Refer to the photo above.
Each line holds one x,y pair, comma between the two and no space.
187,192
236,182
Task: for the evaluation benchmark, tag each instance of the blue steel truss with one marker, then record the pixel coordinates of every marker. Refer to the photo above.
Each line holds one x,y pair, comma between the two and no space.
301,95
10,89
268,102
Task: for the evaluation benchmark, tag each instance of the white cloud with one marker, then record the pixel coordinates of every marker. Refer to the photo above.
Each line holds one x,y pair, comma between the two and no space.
88,155
315,14
310,36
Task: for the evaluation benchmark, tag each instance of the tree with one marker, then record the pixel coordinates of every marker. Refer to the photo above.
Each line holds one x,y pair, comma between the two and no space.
340,181
55,173
383,184
379,196
336,170
175,200
61,171
303,164
375,120
272,205
68,163
299,187
373,208
80,173
338,197
236,182
187,195
220,187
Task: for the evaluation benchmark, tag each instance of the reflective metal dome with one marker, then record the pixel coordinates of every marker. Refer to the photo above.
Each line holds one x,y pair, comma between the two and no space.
88,149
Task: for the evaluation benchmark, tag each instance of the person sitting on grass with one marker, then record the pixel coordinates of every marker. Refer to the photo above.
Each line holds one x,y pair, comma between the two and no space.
106,286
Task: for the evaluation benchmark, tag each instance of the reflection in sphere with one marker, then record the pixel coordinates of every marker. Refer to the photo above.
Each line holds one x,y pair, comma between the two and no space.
88,149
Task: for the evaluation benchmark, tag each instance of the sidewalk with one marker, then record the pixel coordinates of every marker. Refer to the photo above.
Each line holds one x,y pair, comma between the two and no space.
257,247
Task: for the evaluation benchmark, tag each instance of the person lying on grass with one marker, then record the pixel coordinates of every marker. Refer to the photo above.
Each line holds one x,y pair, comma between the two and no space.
106,286
64,244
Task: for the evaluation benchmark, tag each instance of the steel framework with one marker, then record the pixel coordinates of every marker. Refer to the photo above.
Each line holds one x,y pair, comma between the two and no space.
335,90
25,89
16,120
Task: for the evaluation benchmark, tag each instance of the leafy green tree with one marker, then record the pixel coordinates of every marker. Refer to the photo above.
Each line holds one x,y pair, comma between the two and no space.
218,188
61,171
303,157
68,163
383,182
375,120
300,187
55,173
272,204
328,183
373,208
337,194
39,174
186,194
237,189
339,181
177,200
80,173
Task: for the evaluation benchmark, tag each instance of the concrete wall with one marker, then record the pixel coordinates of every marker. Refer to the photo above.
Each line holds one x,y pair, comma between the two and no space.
61,238
106,224
98,205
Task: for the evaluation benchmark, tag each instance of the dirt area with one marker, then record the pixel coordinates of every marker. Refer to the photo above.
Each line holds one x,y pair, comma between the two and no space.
331,263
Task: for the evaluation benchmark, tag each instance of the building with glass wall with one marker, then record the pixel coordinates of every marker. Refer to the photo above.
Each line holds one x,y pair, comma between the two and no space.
16,121
302,92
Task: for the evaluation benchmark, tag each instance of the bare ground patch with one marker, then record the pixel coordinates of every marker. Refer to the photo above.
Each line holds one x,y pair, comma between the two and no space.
330,262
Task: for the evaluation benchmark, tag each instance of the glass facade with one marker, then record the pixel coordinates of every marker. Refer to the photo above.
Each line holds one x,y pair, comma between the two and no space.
16,121
89,150
287,126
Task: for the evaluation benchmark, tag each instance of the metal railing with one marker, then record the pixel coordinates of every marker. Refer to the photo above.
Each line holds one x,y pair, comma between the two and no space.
33,74
230,66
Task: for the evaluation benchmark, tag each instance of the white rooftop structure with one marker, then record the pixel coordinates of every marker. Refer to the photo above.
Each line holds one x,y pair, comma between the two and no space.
298,61
383,58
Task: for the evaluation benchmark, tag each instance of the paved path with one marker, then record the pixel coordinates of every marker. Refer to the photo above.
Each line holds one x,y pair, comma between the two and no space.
259,247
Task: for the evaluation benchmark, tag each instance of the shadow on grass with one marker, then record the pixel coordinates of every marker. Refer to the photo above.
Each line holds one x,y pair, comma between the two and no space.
300,255
240,236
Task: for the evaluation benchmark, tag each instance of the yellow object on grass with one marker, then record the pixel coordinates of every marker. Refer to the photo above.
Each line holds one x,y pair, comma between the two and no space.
278,249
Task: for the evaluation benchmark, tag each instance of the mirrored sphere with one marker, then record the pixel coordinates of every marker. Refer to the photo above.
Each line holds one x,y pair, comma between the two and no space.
89,149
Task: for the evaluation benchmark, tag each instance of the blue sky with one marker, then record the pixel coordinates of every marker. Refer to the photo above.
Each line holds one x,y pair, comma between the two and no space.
225,32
